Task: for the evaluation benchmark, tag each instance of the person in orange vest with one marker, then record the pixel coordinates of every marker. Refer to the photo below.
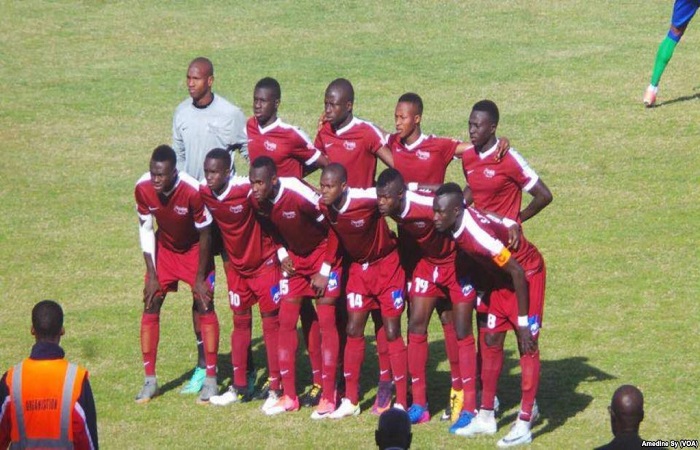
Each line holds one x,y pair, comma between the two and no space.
45,401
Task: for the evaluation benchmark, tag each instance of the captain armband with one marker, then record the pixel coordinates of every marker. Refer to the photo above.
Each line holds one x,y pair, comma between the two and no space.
502,257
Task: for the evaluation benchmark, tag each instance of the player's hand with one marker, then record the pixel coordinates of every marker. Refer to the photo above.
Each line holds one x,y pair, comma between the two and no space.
526,344
502,148
202,292
319,283
288,266
514,233
150,290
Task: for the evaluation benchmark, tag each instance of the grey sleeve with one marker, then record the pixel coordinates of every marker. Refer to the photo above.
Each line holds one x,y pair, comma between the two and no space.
240,136
178,145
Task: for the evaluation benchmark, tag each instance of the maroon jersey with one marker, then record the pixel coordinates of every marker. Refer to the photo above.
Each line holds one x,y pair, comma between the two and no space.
247,244
497,185
179,214
359,227
485,237
355,147
425,161
294,214
416,223
288,146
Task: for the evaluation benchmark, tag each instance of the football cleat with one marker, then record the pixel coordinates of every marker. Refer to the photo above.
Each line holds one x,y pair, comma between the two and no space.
383,400
483,423
650,96
230,396
465,418
196,382
346,409
262,395
311,397
418,414
272,397
519,434
209,389
284,404
148,391
324,409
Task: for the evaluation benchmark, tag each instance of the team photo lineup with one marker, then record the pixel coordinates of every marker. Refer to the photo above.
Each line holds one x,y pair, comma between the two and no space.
299,275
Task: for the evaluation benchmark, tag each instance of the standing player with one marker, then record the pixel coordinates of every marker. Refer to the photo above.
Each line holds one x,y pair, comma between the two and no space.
516,303
179,251
252,272
436,276
423,160
292,152
375,280
291,206
200,123
683,12
356,144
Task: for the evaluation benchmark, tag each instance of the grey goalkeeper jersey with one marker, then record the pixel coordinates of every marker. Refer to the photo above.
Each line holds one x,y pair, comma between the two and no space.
198,130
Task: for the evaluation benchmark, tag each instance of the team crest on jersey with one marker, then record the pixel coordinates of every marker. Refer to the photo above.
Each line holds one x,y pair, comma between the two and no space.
275,293
358,223
332,281
181,210
349,145
489,173
270,146
236,209
422,155
289,214
419,224
397,297
534,323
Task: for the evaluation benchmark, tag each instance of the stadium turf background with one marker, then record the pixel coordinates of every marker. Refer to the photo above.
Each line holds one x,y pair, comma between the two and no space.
89,89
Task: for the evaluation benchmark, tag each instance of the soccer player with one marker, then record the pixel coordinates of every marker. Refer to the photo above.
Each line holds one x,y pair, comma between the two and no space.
200,123
422,160
683,12
516,303
252,272
179,251
292,152
291,206
354,143
375,280
436,275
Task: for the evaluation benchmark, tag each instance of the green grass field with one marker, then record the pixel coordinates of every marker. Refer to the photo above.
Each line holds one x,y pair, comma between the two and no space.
89,91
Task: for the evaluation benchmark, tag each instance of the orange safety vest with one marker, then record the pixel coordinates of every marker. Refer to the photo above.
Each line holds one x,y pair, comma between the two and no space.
43,393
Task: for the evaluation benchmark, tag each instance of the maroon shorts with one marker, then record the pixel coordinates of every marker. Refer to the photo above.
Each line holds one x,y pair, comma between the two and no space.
172,267
503,305
444,280
377,285
299,284
262,287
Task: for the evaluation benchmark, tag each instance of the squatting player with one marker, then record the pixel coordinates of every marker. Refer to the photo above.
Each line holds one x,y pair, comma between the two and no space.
179,251
252,272
422,160
291,206
356,144
294,154
516,303
436,276
375,280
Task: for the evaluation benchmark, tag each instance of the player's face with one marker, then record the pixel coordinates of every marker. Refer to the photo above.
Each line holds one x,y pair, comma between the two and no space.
481,128
337,107
331,188
216,173
444,213
261,183
389,199
264,105
406,119
198,81
163,175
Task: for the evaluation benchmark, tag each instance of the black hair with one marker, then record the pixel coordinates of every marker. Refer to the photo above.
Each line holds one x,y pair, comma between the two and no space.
271,84
47,319
489,108
389,176
345,85
164,153
414,99
264,161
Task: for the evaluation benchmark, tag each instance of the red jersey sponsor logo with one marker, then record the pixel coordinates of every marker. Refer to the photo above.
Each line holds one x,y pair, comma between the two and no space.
424,156
181,210
489,173
270,146
289,214
349,145
236,209
358,223
419,224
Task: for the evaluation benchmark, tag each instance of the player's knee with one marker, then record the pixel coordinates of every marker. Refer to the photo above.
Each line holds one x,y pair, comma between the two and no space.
417,327
494,339
155,306
355,329
203,308
463,330
675,33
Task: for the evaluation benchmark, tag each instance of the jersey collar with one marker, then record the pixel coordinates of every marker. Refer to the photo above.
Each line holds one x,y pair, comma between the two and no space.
418,142
488,152
269,127
352,123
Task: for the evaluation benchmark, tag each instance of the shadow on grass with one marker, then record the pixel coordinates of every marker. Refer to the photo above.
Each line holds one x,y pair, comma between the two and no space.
684,98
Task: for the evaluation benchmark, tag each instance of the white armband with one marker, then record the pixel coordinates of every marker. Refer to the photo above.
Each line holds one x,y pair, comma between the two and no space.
148,237
412,186
522,321
509,222
282,254
325,270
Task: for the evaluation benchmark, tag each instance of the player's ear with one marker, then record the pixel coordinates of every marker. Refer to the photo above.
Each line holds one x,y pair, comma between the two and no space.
418,119
277,103
210,80
33,331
